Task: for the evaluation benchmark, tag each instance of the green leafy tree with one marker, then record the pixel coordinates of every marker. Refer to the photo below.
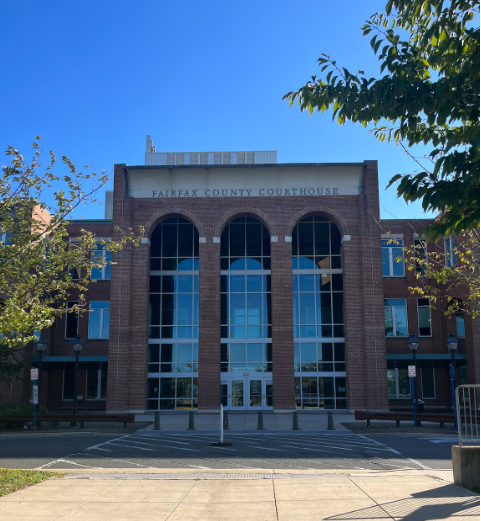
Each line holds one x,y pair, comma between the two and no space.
448,273
429,94
36,256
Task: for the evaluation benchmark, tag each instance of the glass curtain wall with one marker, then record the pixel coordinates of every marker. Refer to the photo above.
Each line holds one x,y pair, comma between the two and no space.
318,306
246,329
173,316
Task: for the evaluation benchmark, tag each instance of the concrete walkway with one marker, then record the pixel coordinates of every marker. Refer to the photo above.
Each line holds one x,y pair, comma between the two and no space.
247,421
251,495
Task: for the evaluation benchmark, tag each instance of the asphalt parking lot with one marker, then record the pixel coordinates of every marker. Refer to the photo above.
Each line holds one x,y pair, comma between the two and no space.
278,450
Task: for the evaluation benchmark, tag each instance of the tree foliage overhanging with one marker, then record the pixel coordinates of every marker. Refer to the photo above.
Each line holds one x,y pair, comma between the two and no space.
429,94
36,253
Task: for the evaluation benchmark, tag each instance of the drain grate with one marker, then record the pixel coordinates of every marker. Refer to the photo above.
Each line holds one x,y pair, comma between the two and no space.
197,475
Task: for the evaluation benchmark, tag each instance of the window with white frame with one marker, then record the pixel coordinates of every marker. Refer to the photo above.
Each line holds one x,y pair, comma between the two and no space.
450,257
398,383
424,317
392,256
395,317
102,255
71,320
99,319
96,381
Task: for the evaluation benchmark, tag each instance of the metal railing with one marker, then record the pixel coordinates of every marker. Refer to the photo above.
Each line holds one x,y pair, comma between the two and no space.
467,410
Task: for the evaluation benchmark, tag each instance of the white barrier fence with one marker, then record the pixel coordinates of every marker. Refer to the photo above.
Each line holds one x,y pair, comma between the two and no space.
467,410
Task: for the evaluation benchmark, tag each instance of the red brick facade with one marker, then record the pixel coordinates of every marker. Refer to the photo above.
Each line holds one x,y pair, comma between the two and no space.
357,218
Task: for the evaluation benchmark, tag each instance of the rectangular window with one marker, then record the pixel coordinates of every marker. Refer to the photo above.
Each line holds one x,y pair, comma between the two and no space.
427,382
460,331
420,255
100,254
96,383
68,382
424,317
392,257
398,383
450,256
395,317
5,238
99,318
71,321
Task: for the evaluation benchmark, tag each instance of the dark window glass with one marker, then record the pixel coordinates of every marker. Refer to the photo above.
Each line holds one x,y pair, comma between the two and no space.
71,322
68,381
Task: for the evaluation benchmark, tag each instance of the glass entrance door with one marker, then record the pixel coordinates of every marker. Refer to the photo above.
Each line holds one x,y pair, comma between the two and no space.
247,393
237,394
256,393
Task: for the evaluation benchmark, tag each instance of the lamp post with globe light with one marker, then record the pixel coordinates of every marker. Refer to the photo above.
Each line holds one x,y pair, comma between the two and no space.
41,345
452,344
413,344
77,347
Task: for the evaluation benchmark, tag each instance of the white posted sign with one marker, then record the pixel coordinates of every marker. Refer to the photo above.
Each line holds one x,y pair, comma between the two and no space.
412,371
35,394
33,374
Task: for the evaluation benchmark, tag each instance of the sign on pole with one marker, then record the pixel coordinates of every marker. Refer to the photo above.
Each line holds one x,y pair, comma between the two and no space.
33,373
412,371
35,395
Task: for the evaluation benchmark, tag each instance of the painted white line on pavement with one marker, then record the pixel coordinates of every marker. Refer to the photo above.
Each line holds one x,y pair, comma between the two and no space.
322,445
267,448
157,439
416,462
314,450
99,448
78,464
105,442
224,448
130,447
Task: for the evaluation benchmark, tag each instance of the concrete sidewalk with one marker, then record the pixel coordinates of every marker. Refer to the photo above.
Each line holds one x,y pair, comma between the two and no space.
247,421
266,495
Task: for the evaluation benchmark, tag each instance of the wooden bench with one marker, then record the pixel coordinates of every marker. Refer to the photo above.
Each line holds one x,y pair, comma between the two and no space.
80,418
398,417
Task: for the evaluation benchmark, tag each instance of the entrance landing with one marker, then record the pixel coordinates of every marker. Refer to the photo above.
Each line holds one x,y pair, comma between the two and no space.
244,422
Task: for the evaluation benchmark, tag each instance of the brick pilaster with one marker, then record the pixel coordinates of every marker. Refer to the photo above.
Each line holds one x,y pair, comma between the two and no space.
209,326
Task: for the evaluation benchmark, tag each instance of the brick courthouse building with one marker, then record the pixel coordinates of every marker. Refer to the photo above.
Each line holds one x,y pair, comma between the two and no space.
256,284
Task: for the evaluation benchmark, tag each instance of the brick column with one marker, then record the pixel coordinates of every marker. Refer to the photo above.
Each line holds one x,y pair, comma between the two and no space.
353,317
282,327
119,332
139,337
372,301
209,326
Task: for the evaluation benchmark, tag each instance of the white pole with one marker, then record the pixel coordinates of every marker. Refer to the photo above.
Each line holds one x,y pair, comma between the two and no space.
221,424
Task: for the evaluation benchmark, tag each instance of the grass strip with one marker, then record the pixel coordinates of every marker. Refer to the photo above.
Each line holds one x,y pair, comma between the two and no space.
16,479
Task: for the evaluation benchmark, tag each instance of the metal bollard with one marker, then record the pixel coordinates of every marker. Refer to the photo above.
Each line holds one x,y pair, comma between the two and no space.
226,420
295,421
330,422
157,421
260,421
191,421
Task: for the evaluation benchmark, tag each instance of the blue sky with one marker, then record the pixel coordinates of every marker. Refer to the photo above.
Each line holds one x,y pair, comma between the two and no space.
94,77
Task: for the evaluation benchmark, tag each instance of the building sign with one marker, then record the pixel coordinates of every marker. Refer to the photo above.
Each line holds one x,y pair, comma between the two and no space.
162,183
246,192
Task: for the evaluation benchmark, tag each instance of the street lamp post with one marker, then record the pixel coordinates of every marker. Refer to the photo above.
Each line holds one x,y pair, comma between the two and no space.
452,346
41,345
77,347
413,344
